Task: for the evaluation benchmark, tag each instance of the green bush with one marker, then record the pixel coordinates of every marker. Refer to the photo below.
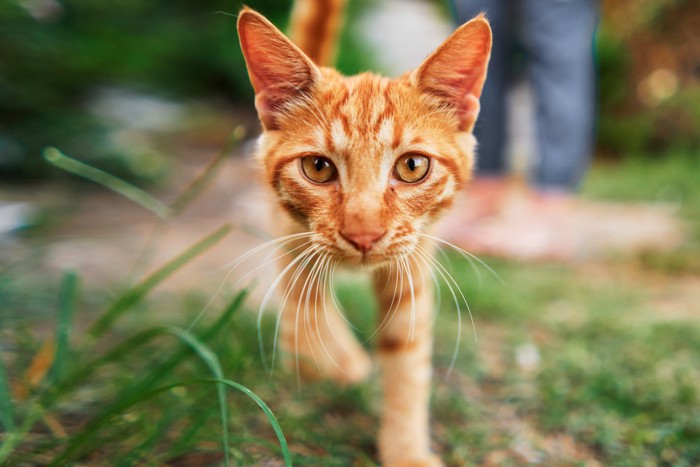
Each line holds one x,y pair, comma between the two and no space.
636,40
54,56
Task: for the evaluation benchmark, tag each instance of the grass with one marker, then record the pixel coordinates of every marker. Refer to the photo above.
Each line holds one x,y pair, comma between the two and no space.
669,180
45,417
573,363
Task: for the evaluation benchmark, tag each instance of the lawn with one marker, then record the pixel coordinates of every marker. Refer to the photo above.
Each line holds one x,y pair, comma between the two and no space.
589,363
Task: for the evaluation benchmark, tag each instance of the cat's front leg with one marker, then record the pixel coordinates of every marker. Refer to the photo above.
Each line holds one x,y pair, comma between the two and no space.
405,349
315,338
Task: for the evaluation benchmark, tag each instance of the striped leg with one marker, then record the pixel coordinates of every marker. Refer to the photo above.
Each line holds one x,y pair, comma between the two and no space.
405,348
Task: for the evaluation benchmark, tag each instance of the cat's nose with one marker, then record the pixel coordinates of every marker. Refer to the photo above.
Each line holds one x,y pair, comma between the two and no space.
362,239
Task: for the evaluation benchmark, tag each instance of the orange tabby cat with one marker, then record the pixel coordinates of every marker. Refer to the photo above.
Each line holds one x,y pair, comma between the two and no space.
361,167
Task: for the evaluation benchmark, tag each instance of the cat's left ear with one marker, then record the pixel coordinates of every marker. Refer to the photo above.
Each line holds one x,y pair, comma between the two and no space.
456,71
279,71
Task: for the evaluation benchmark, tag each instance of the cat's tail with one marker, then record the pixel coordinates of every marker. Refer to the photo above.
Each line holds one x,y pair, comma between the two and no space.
315,26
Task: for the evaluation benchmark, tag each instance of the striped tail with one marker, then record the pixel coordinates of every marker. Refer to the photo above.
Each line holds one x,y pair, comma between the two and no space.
315,26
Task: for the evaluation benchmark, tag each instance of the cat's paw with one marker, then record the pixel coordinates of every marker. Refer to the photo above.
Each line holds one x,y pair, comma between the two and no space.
354,368
347,368
422,461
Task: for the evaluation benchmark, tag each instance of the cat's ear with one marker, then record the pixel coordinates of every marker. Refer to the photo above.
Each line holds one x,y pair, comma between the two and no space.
455,72
278,70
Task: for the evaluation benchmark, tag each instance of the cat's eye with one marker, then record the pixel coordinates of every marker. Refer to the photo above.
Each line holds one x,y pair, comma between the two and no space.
318,169
411,168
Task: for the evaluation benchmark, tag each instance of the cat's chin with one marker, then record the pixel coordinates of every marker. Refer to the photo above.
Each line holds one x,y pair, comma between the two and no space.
366,263
370,262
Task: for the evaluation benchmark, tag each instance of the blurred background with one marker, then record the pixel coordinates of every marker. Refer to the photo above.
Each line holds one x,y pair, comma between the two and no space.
594,360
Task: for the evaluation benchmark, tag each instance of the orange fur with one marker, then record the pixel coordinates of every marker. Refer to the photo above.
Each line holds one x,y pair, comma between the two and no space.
363,214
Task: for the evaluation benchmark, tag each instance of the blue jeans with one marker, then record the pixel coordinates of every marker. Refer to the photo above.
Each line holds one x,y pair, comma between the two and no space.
558,37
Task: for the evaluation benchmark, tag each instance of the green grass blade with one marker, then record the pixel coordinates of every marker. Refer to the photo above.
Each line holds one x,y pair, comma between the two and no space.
6,416
91,430
129,191
146,446
208,334
168,365
13,438
66,308
188,194
204,352
226,316
212,361
201,181
270,417
144,386
132,344
135,294
79,374
185,438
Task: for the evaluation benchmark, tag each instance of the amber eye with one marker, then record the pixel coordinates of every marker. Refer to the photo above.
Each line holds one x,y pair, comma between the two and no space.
318,169
411,168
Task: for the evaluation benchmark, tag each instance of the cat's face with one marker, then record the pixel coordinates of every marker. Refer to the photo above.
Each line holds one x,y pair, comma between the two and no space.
365,162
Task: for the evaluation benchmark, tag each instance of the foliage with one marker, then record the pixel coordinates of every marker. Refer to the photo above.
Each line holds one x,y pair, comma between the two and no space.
56,57
52,390
648,88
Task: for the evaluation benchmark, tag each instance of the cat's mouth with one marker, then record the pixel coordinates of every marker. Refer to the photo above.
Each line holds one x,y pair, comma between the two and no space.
386,249
379,255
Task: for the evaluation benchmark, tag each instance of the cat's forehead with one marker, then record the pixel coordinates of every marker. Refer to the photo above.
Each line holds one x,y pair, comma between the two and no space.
351,113
363,100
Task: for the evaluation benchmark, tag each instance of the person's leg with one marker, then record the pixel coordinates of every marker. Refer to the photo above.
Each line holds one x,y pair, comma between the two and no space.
540,223
559,36
490,127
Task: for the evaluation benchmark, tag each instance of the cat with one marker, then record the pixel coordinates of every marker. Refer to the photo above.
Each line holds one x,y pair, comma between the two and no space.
361,166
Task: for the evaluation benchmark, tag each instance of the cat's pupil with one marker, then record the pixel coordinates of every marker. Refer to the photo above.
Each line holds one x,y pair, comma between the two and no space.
411,164
319,164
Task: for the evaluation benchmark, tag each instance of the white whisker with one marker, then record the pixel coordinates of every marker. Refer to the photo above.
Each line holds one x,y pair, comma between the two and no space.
412,332
281,240
336,302
436,284
329,275
322,285
268,262
464,253
289,288
296,317
268,296
278,242
304,297
390,312
449,280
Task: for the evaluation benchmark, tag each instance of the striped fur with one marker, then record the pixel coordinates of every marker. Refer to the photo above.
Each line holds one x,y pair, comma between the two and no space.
315,27
365,217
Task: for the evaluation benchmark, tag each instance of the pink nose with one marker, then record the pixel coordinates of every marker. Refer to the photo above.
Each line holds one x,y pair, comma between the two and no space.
362,240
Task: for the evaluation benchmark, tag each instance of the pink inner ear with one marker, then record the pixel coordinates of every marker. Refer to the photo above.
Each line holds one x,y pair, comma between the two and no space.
468,112
456,71
266,111
464,92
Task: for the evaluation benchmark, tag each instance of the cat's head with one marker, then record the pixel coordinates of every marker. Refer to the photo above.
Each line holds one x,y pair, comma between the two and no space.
365,162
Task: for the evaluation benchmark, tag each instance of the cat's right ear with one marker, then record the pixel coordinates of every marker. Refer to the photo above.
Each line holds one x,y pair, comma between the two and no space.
456,71
278,69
